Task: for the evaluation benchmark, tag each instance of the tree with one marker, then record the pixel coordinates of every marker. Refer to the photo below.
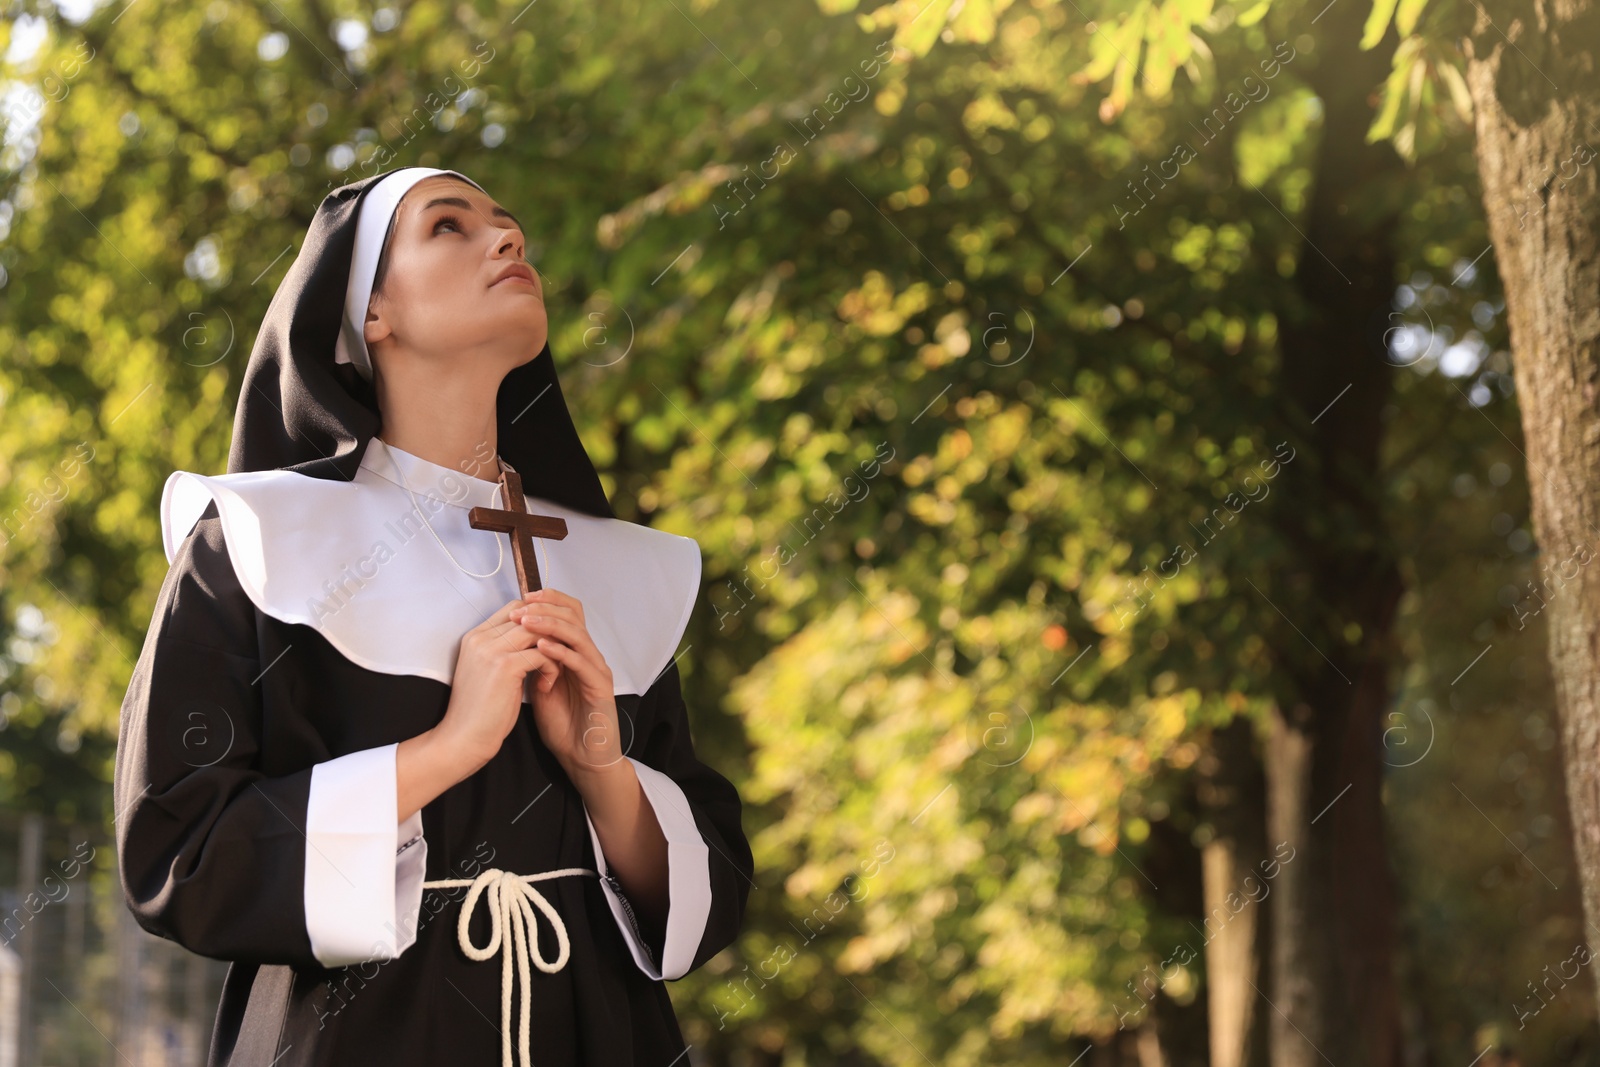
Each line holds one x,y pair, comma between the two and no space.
1535,152
1330,602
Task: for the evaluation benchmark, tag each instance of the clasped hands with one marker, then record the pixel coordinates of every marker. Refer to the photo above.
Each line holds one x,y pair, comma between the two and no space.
574,704
537,648
573,695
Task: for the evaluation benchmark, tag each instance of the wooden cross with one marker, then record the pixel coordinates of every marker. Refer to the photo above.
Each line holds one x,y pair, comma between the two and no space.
522,527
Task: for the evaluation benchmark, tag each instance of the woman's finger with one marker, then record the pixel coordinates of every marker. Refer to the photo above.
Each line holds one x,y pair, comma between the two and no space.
565,631
555,597
589,673
554,611
509,639
537,661
503,613
510,634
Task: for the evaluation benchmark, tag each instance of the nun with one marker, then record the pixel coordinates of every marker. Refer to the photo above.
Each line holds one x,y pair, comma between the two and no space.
426,784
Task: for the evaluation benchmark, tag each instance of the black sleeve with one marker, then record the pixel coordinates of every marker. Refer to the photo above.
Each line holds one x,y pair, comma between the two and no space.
715,804
210,850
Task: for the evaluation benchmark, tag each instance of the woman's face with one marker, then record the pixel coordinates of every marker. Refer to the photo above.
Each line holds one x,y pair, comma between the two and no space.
440,294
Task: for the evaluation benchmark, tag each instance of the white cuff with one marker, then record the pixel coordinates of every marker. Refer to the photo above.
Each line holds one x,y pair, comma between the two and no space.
688,878
364,869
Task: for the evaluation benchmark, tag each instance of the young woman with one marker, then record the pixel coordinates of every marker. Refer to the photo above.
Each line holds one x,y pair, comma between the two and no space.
429,818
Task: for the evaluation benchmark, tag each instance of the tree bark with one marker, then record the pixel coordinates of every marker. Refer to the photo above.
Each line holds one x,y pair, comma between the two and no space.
1333,996
1304,980
1531,71
1236,892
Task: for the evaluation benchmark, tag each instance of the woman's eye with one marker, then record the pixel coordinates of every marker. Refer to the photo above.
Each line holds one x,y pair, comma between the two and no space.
451,219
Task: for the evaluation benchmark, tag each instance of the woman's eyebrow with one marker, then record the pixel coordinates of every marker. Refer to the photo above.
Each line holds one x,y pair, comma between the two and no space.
456,201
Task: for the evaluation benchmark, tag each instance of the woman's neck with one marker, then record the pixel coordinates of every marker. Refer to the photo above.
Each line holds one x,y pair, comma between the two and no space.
449,443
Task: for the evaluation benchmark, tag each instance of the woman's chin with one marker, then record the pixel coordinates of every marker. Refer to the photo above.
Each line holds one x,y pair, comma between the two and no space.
524,318
528,307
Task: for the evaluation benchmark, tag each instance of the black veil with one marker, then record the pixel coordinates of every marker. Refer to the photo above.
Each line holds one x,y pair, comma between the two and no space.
302,410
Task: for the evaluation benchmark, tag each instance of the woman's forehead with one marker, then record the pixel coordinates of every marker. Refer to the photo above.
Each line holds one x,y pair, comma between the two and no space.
435,186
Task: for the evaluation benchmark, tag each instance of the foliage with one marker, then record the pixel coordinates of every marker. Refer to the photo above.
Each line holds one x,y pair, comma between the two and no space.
960,373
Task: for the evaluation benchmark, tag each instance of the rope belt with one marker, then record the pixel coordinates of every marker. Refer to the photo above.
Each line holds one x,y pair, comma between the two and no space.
512,899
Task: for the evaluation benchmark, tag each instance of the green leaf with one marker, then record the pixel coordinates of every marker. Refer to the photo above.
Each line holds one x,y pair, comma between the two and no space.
1394,92
975,22
1169,49
1405,19
1459,96
1405,141
1377,22
919,35
1253,15
1104,56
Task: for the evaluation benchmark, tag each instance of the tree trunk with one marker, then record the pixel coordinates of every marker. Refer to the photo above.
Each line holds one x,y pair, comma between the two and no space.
1304,979
1531,70
1236,892
1333,994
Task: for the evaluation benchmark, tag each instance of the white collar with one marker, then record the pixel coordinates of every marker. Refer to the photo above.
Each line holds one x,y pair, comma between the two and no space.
441,484
355,561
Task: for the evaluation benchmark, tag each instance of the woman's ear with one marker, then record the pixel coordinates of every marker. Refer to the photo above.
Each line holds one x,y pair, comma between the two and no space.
377,327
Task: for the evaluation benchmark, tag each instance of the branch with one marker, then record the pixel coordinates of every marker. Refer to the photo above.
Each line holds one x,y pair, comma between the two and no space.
125,80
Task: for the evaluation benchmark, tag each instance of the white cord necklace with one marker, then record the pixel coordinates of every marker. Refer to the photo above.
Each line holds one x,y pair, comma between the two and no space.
499,544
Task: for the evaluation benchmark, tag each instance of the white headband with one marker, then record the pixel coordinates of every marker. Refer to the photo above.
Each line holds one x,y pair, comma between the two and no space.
377,207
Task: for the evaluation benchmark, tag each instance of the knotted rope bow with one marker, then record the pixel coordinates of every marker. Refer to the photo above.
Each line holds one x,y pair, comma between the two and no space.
512,899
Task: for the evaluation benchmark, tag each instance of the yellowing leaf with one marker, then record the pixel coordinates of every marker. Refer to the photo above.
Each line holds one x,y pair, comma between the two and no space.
1253,15
1459,96
1169,49
924,30
1104,56
1405,19
1377,22
975,21
1393,96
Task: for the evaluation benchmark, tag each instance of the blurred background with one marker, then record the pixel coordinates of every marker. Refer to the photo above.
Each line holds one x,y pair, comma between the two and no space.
1123,614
